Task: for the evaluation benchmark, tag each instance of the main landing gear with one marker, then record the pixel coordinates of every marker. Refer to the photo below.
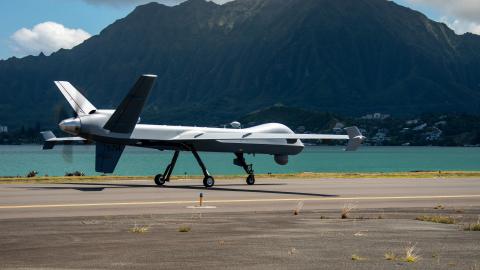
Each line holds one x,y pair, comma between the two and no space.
208,180
160,179
240,161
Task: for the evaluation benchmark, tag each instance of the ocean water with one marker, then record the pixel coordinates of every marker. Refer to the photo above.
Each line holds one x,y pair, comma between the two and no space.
20,159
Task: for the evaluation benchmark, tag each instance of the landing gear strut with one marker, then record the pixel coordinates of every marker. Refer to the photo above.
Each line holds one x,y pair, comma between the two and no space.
208,180
240,161
160,179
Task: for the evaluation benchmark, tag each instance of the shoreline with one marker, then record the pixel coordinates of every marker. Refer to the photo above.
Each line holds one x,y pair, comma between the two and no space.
304,175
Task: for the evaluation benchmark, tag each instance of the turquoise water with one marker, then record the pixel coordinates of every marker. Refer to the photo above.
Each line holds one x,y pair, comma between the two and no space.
19,159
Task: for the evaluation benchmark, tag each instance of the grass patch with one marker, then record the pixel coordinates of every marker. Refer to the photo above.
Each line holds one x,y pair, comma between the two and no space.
184,229
304,175
68,179
298,208
437,219
411,254
292,251
139,229
390,256
356,257
346,209
473,227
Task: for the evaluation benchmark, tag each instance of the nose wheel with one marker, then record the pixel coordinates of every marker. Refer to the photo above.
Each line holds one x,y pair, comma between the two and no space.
251,179
240,161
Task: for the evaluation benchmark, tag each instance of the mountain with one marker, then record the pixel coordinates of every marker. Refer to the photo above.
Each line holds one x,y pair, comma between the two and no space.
218,62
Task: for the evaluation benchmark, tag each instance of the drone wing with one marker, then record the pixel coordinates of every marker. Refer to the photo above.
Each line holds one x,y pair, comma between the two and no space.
256,136
354,136
126,115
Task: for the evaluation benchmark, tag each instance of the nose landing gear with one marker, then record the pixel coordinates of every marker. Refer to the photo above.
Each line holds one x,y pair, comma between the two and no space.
240,161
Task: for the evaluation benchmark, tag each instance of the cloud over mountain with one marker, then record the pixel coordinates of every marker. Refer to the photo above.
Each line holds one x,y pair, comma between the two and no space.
461,15
46,37
118,3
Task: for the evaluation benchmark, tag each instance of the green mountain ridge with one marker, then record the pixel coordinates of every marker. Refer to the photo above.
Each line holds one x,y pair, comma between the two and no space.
216,63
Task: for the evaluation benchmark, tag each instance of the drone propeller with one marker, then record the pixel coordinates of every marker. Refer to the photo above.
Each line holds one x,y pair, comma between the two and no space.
60,114
79,106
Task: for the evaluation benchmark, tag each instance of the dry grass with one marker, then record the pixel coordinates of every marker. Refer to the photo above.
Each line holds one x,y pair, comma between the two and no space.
184,229
358,234
139,229
304,175
390,256
411,254
356,257
473,227
298,208
292,251
346,209
67,179
437,219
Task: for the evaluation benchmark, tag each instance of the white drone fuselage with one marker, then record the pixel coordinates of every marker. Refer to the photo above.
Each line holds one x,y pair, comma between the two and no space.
167,137
112,130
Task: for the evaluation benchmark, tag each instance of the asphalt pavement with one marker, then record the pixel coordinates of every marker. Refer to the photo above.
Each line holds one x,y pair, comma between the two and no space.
136,225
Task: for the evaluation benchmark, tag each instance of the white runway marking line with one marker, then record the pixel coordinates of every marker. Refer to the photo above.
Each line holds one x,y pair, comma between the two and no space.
243,201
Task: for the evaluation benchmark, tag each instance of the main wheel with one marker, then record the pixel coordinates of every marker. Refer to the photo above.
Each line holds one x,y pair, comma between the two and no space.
208,181
250,179
159,180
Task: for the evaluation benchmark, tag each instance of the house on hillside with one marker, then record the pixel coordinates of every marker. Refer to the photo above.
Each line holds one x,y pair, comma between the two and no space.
375,116
434,135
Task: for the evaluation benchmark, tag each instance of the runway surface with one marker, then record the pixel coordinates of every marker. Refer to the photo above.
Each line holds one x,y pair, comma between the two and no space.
91,225
143,197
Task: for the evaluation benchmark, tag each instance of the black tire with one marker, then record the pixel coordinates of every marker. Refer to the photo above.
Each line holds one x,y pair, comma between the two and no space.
208,181
250,179
159,180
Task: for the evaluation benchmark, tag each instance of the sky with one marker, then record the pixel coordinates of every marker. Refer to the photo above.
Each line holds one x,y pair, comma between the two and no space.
28,27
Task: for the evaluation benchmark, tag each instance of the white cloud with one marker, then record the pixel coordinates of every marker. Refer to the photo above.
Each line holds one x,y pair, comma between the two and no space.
119,3
463,9
461,15
461,26
47,37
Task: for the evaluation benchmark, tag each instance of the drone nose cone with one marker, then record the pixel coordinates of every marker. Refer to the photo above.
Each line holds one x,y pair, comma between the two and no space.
71,126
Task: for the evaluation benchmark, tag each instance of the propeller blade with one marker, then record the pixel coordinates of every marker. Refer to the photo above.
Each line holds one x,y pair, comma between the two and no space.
67,153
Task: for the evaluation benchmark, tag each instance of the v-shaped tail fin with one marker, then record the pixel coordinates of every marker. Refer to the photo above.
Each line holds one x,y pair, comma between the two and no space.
79,103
